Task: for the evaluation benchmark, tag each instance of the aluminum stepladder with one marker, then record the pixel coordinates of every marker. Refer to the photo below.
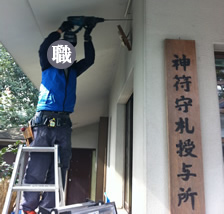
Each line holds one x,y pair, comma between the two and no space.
18,172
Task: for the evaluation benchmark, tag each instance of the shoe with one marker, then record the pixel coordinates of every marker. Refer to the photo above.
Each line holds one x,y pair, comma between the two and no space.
29,212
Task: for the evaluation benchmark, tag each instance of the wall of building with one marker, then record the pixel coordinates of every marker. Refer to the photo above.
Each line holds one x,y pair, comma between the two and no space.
153,22
121,91
129,79
199,21
85,137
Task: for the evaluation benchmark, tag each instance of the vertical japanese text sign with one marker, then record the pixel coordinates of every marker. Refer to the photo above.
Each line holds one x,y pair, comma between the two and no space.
184,132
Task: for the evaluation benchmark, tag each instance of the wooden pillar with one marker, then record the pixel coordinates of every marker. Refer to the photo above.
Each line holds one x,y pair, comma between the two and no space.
101,158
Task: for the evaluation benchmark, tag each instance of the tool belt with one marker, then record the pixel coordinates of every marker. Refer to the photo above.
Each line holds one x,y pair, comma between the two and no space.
51,119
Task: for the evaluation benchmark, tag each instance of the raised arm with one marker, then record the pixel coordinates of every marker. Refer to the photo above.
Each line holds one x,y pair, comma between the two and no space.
52,37
89,59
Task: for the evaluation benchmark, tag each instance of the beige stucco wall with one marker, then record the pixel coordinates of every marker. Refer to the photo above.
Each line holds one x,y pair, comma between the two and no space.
85,137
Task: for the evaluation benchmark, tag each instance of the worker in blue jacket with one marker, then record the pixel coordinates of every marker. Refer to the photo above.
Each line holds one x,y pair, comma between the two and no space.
51,123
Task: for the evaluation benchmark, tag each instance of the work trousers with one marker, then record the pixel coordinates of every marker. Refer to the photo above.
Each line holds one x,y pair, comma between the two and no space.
40,167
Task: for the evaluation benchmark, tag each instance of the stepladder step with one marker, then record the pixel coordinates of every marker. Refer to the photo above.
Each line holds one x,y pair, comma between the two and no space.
35,187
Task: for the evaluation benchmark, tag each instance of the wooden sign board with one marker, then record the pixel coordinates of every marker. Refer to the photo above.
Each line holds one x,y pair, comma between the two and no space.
184,132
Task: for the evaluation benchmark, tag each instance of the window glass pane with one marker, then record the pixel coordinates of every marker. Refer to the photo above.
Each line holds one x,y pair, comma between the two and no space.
219,65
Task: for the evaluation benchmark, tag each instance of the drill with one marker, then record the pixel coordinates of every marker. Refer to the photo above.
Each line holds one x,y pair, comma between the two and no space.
87,22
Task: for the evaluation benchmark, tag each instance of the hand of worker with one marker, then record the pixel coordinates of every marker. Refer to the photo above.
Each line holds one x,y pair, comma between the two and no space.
66,26
88,31
87,36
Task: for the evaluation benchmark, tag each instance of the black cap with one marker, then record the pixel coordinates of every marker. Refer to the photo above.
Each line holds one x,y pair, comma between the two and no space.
71,37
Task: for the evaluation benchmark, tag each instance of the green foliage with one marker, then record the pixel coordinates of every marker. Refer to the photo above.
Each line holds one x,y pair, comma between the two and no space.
219,74
5,168
18,96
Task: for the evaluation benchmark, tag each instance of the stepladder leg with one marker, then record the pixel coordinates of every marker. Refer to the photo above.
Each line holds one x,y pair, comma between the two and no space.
21,170
56,176
59,193
12,181
62,197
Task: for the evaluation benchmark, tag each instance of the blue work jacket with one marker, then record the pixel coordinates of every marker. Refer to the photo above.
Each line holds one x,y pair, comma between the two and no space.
57,91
